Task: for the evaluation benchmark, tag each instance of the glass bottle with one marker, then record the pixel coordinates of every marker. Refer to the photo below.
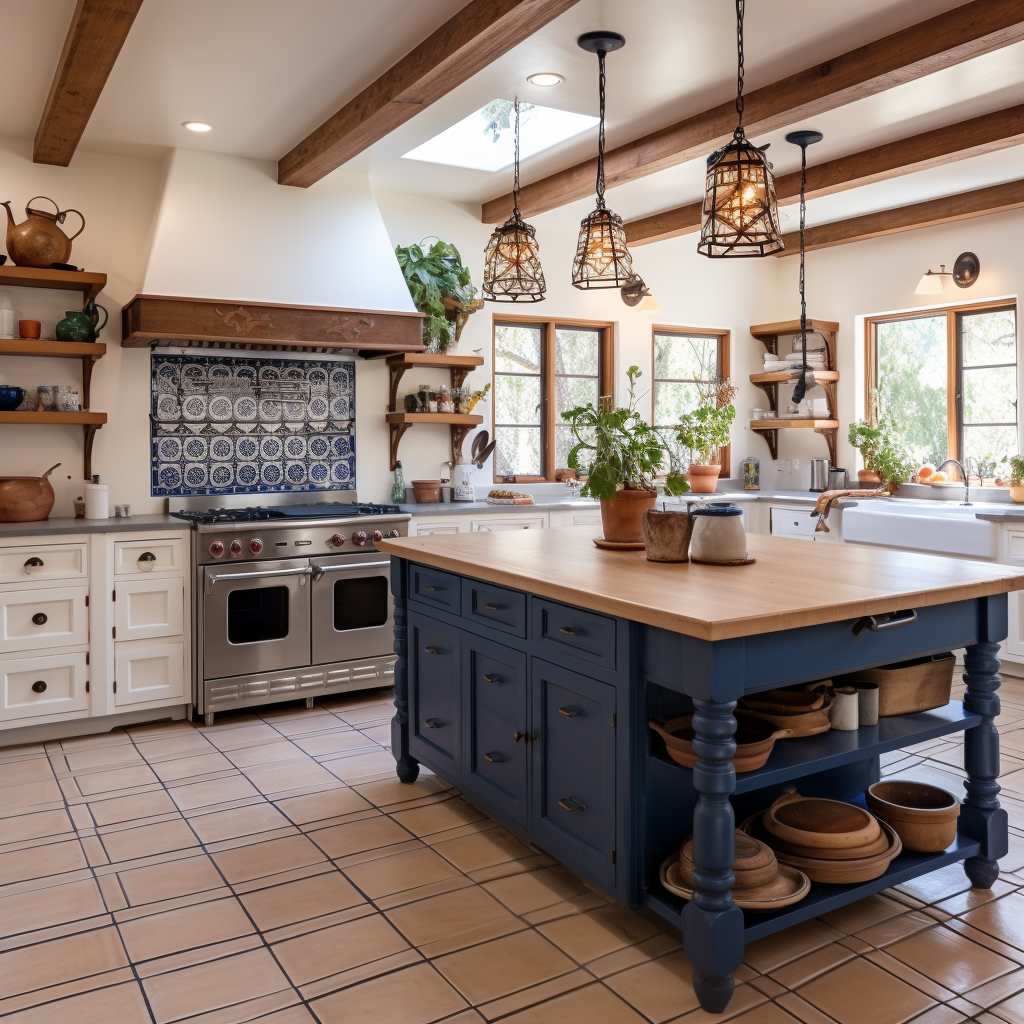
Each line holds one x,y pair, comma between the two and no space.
398,487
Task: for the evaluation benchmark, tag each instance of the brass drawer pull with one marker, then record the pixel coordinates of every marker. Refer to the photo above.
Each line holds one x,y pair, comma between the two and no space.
495,607
495,758
39,686
39,618
432,650
568,631
569,712
434,723
430,586
571,805
491,678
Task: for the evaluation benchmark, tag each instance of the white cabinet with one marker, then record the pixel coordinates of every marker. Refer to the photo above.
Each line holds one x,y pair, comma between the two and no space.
146,672
516,521
43,564
43,687
575,517
799,523
428,526
149,607
150,554
34,620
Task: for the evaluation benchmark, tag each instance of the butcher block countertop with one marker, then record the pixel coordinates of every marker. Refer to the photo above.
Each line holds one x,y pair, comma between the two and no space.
791,584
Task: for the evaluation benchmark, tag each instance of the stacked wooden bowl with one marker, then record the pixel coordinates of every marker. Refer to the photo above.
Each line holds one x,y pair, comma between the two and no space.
803,712
829,840
754,738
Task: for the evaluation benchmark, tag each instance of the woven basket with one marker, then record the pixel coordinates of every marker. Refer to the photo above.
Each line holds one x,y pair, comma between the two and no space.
911,686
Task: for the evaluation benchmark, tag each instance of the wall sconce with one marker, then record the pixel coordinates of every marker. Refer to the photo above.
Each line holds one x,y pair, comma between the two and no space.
964,273
636,293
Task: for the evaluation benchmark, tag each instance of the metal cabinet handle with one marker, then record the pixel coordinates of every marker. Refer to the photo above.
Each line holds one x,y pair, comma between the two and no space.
517,736
430,586
880,623
491,678
39,686
39,618
432,650
495,758
494,607
568,631
147,556
434,723
569,712
34,563
571,805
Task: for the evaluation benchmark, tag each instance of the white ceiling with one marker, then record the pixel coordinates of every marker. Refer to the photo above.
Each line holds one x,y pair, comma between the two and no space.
266,72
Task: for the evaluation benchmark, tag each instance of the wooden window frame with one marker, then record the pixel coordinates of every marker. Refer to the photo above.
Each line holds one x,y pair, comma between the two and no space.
548,326
724,338
954,360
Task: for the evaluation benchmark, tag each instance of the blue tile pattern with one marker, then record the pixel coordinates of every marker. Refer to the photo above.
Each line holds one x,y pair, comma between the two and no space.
235,424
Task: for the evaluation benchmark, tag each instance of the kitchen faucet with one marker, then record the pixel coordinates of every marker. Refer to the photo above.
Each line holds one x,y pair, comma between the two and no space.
965,473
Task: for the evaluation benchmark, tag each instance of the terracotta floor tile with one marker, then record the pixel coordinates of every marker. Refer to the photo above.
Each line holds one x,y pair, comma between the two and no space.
303,721
895,928
229,736
416,995
379,712
32,769
379,734
95,783
290,777
661,989
768,1013
29,796
182,768
321,806
950,959
333,950
390,792
334,742
855,917
22,827
301,900
937,885
48,964
172,931
184,742
498,968
38,862
859,992
359,766
209,986
583,1006
587,936
148,840
357,836
1011,1010
482,849
129,808
166,881
117,1004
534,890
217,791
439,817
277,752
268,858
402,871
103,739
1002,918
238,822
103,757
766,955
799,972
293,1015
42,908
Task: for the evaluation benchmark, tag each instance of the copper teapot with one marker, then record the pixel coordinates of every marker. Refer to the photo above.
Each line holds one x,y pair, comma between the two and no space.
38,241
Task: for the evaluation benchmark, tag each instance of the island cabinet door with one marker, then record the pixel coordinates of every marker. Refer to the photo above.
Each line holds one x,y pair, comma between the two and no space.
435,692
495,733
573,741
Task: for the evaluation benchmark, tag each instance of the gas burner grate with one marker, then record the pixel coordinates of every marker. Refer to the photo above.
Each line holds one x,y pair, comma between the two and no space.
321,510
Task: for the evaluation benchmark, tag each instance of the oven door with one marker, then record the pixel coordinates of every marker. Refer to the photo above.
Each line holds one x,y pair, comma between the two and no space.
255,617
352,609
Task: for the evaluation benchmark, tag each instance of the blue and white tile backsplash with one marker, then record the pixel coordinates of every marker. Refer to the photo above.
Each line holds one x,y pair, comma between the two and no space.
231,424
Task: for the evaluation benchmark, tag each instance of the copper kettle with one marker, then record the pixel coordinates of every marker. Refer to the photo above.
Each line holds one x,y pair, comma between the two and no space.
38,241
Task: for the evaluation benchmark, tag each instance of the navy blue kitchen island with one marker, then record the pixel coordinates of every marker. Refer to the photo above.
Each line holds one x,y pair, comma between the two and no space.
530,662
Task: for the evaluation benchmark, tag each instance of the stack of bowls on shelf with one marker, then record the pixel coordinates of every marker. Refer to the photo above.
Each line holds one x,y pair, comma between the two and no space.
924,817
754,738
829,840
762,883
803,711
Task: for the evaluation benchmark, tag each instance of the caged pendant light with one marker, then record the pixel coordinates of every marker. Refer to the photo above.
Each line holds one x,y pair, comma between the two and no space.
512,270
740,214
602,259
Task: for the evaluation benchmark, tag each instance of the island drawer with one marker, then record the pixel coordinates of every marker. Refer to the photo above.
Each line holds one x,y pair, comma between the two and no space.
435,693
495,606
561,627
435,588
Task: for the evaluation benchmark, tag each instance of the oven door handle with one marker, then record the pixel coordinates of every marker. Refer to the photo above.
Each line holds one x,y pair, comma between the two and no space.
319,570
213,578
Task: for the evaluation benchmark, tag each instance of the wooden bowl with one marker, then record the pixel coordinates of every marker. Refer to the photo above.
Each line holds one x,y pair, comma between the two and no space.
426,492
924,817
789,886
811,822
783,702
754,740
799,723
753,865
879,845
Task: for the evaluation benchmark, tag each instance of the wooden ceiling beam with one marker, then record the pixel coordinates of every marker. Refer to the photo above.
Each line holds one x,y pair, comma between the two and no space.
97,33
465,44
962,206
986,134
923,49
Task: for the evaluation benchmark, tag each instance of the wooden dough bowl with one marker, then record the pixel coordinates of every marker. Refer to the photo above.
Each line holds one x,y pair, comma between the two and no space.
924,817
754,740
815,823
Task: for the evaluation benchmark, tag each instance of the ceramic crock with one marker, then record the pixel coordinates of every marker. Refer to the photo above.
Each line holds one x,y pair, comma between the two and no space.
718,534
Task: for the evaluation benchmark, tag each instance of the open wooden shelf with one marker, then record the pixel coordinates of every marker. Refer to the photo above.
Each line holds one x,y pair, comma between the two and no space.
40,417
451,418
807,423
89,284
777,376
769,334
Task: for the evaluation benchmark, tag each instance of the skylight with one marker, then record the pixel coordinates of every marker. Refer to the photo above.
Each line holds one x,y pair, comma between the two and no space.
485,141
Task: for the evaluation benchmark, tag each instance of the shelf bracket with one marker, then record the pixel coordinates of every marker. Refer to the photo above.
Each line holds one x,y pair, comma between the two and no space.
771,389
829,433
90,434
397,430
772,438
396,374
459,434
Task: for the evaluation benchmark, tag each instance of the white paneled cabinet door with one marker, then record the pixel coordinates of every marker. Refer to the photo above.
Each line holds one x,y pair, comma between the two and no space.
145,672
34,620
520,521
147,608
45,686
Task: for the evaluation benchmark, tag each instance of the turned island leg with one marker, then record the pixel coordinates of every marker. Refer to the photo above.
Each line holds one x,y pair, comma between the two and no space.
406,767
981,817
712,924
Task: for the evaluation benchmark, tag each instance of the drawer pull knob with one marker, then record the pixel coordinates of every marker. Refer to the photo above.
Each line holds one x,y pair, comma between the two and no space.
432,650
517,736
147,556
492,678
569,631
434,723
880,623
571,805
569,712
39,618
495,758
494,607
39,686
34,563
430,586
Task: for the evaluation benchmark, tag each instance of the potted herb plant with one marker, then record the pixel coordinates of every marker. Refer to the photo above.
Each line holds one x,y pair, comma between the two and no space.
886,461
620,455
441,287
1017,478
705,432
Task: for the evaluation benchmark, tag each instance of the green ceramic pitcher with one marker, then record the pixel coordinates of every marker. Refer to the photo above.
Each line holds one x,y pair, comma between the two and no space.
81,325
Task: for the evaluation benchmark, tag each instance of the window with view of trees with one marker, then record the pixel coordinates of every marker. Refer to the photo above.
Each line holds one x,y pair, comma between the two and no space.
947,381
543,368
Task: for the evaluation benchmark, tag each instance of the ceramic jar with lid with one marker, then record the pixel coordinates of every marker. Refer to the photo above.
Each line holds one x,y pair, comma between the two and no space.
718,534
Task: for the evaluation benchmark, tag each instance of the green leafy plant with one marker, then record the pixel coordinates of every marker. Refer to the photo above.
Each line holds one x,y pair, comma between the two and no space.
433,270
705,431
1016,470
616,449
883,452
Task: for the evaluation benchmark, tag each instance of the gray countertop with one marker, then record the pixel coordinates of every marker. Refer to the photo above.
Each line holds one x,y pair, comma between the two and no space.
56,527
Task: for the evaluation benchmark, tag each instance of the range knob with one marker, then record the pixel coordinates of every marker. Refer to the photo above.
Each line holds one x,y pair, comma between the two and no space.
391,534
336,541
235,547
255,545
217,549
377,535
359,538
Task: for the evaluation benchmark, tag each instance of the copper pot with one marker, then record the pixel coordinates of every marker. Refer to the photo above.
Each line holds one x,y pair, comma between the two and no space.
26,499
38,241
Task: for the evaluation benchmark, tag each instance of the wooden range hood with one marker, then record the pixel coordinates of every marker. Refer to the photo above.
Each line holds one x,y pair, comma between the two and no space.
150,319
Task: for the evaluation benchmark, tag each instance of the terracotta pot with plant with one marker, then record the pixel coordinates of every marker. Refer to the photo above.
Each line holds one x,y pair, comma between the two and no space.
620,455
886,461
1017,478
705,432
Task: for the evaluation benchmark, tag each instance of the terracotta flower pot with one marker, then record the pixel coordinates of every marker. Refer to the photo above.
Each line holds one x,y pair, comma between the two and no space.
622,516
869,476
1017,493
703,479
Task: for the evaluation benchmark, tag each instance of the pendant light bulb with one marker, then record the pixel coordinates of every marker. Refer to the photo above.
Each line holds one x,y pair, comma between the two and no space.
740,214
602,257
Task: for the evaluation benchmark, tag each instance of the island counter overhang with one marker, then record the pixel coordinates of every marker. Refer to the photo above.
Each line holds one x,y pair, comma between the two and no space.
570,650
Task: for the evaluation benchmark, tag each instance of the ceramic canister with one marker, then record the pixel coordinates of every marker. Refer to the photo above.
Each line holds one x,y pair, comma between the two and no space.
97,501
718,534
867,703
844,714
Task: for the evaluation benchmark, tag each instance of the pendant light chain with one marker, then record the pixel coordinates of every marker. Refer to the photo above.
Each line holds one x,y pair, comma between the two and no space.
515,183
740,9
803,226
600,131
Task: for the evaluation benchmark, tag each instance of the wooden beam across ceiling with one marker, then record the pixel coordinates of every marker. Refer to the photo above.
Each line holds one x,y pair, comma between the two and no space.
97,33
923,49
962,206
986,134
465,44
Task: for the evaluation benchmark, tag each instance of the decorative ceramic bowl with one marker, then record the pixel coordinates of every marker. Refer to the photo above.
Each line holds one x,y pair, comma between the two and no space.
754,741
10,397
924,817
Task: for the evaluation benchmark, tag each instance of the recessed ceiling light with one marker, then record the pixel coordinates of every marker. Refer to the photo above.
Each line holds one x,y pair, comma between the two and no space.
197,126
546,79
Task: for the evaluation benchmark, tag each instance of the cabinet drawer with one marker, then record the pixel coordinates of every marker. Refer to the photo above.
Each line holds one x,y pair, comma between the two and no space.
561,627
146,608
42,619
147,672
574,768
37,687
431,527
132,557
435,699
495,606
494,524
42,563
792,522
495,738
436,588
1013,546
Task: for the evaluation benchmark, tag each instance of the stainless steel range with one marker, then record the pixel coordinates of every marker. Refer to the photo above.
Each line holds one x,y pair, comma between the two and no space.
291,601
